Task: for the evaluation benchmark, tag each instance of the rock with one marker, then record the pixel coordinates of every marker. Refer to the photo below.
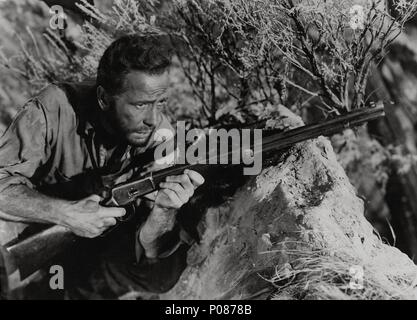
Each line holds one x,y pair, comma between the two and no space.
366,163
300,226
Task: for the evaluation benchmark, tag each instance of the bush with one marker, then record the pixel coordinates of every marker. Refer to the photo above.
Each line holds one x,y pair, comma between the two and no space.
239,56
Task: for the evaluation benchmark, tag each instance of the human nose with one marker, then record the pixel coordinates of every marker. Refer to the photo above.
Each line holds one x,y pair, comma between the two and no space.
151,117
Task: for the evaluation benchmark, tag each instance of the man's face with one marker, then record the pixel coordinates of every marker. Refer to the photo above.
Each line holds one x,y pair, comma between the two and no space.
136,112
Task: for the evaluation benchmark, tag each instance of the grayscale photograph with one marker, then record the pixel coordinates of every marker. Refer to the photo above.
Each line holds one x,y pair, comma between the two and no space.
209,154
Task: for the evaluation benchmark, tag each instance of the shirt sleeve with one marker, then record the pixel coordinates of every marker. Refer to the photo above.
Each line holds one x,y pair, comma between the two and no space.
23,146
168,243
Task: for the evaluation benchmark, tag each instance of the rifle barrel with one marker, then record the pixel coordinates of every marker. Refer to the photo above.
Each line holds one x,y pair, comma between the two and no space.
284,139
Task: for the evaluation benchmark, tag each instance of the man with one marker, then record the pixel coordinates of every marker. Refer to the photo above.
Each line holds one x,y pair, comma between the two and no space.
69,145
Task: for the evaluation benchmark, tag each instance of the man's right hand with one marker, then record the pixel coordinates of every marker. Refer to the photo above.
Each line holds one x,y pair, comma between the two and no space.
87,218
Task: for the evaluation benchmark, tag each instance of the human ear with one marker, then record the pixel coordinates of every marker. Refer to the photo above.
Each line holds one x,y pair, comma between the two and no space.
103,98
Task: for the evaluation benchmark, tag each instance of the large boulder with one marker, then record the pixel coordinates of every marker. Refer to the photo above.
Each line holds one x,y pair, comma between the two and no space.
295,231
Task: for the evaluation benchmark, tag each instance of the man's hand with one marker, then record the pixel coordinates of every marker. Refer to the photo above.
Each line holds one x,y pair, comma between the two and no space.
174,193
177,190
87,218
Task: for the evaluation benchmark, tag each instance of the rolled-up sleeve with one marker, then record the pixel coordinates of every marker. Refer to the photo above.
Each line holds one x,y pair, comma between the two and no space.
23,146
169,243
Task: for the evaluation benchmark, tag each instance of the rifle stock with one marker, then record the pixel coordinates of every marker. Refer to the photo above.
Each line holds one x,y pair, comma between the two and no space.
21,259
30,254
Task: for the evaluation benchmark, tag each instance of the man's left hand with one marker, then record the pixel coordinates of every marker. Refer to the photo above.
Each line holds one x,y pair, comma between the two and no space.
177,190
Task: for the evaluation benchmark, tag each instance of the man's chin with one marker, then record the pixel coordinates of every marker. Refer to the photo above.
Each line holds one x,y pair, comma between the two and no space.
138,140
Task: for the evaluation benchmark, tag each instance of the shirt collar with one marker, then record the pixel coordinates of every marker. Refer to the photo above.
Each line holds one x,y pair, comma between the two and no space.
82,96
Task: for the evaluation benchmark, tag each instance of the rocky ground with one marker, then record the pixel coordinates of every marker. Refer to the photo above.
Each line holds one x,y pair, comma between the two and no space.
301,226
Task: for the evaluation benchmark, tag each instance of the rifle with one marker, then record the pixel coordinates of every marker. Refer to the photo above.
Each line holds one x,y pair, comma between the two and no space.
21,258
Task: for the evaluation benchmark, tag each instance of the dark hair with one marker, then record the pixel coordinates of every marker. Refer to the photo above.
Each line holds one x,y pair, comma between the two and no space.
150,54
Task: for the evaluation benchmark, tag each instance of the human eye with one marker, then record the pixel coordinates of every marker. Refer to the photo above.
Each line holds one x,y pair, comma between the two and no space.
161,104
141,106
